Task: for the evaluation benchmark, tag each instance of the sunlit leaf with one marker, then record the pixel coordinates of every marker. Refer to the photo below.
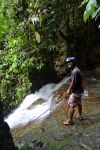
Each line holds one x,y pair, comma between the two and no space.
92,9
37,35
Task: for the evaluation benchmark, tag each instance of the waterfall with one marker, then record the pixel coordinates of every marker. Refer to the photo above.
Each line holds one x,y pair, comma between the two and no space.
22,116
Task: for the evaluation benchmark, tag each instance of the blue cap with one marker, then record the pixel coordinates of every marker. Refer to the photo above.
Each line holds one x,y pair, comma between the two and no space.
70,59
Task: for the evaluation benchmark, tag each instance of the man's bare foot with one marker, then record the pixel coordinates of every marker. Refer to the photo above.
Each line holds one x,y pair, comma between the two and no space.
68,122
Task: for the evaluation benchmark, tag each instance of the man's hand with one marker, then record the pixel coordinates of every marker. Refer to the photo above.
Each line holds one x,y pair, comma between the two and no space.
65,95
68,91
57,94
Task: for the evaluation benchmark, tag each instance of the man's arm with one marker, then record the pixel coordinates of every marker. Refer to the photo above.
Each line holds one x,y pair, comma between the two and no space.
73,82
71,87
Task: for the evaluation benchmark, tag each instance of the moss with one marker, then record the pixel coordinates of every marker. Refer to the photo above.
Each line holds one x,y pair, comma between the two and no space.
61,144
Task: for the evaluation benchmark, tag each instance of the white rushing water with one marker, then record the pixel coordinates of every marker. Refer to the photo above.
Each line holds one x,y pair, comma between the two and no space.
22,115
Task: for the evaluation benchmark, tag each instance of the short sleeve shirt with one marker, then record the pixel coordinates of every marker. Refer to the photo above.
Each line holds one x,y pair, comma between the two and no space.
77,80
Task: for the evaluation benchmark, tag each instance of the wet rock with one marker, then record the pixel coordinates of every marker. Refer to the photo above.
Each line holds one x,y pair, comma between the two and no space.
37,144
39,101
60,95
34,145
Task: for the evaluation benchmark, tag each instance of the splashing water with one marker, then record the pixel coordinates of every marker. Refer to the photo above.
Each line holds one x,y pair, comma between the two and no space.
22,116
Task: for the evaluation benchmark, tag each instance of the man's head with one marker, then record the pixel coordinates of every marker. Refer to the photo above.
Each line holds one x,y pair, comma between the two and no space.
71,62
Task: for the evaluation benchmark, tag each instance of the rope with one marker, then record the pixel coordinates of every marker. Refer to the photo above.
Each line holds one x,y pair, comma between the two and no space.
83,100
38,117
46,111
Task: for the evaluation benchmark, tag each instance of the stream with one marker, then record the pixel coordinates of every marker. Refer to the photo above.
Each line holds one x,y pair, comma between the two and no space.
22,115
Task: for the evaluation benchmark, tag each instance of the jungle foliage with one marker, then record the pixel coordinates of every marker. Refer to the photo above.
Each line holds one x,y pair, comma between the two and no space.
92,9
32,34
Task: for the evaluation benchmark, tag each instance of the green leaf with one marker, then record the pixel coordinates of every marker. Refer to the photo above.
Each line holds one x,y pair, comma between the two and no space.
37,35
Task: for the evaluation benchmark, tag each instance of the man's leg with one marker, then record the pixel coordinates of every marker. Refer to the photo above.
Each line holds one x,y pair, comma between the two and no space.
68,106
80,109
71,114
79,116
70,111
69,121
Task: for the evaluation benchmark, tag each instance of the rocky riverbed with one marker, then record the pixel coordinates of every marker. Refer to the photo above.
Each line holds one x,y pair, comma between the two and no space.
52,134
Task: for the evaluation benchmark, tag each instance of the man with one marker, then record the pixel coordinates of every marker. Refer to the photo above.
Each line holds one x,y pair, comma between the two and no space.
75,91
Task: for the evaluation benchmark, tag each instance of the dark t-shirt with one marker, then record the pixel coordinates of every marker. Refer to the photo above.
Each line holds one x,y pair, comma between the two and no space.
77,80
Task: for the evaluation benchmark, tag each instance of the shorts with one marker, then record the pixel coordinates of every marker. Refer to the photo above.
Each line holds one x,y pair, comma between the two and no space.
74,99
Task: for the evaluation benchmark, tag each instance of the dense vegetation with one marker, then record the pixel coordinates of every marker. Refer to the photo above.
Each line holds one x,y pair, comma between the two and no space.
35,35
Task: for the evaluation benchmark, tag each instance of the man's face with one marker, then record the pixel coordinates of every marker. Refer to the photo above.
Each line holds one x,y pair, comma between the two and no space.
70,65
